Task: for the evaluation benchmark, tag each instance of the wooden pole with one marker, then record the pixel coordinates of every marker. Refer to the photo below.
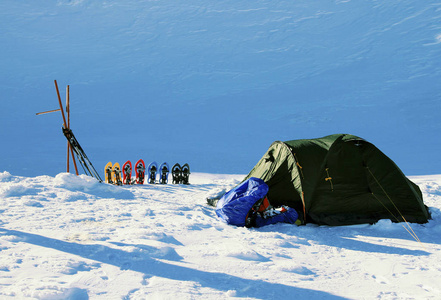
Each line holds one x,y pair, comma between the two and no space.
64,120
68,126
61,104
46,112
68,106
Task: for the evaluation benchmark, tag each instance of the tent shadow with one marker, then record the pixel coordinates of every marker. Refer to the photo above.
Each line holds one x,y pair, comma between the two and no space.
349,242
349,238
152,267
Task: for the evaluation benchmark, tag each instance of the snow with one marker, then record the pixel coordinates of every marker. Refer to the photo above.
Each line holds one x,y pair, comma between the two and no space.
71,237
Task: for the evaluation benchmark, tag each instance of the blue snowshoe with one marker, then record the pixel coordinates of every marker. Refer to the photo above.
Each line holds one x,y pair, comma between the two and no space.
152,169
164,170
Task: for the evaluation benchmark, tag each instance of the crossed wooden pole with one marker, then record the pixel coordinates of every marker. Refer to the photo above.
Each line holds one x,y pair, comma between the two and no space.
66,124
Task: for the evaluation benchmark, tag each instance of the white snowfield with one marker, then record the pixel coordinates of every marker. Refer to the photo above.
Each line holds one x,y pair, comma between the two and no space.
69,237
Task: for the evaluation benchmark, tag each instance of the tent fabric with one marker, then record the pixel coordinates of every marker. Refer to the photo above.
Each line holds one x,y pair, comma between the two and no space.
339,179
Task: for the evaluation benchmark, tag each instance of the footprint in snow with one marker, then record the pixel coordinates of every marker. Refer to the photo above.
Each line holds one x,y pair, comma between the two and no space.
380,279
250,255
125,266
300,270
33,203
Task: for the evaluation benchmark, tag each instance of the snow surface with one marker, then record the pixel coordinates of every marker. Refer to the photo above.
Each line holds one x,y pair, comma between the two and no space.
214,83
69,237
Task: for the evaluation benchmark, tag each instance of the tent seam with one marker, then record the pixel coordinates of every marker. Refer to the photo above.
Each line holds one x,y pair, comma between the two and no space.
302,193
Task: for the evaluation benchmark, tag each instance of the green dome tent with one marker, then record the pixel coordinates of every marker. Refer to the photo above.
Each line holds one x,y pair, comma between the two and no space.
339,179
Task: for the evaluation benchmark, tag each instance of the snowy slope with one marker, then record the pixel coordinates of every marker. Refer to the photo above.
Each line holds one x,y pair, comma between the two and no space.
214,83
69,237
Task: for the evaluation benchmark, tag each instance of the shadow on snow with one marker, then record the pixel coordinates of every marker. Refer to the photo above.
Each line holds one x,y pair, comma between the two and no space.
153,267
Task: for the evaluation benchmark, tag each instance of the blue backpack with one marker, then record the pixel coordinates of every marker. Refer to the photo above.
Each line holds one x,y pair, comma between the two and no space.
234,207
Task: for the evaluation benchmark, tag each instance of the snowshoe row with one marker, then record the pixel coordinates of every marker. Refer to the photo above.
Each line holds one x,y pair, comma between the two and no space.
115,175
181,174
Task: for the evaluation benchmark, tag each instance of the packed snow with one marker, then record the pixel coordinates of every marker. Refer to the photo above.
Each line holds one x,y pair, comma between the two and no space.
72,237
